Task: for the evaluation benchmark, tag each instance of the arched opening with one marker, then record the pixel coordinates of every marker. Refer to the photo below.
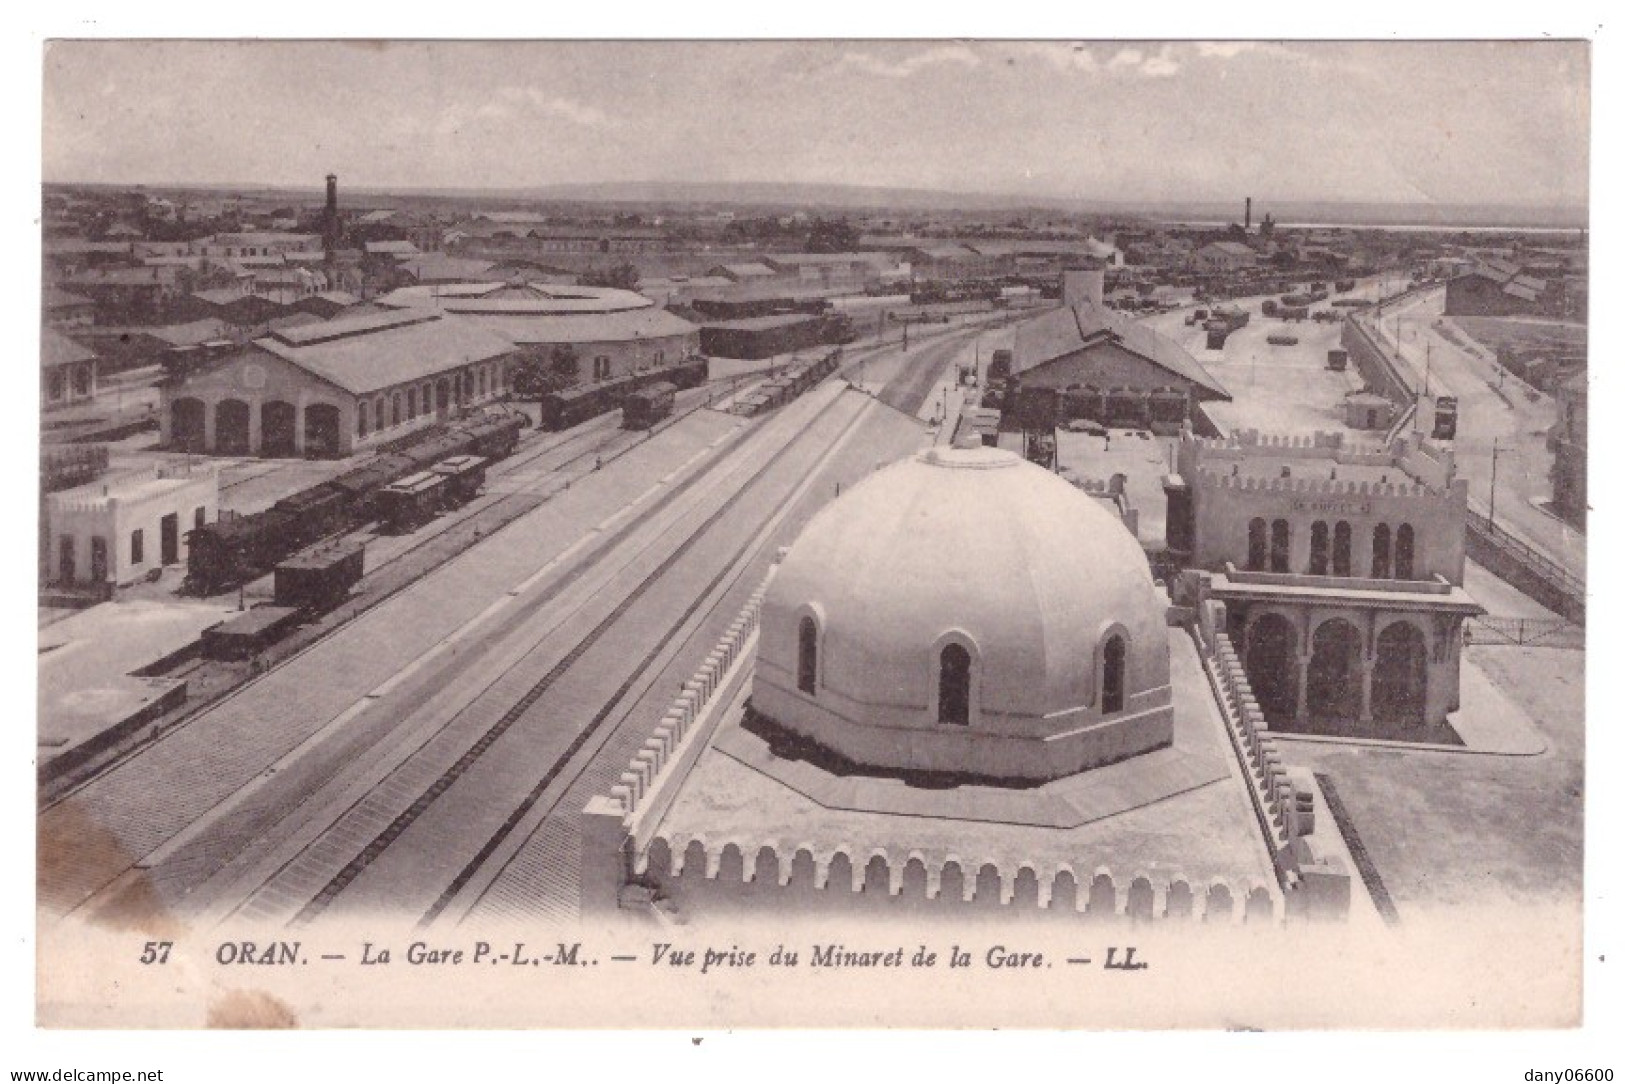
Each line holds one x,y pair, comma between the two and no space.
186,424
1272,666
1257,545
322,429
1399,681
1379,552
98,559
953,686
278,421
442,392
483,378
1334,671
1114,672
395,409
1342,549
807,657
411,403
65,570
1404,552
1280,543
1320,549
231,427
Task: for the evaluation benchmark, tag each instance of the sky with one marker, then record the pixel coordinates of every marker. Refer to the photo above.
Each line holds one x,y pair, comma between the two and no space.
1434,122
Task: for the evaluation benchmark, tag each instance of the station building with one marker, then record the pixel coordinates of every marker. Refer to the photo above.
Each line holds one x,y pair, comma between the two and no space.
112,531
961,694
611,332
1340,571
67,371
335,388
1085,346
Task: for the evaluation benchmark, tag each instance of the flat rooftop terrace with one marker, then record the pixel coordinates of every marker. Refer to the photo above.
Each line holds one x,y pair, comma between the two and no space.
1204,832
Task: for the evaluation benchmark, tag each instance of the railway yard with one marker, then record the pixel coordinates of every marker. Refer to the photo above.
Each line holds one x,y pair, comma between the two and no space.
423,750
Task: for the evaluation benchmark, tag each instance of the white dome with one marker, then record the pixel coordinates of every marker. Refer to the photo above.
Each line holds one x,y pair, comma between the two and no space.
980,548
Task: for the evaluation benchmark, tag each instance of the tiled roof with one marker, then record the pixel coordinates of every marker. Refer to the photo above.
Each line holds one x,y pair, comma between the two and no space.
365,353
1066,331
650,323
56,348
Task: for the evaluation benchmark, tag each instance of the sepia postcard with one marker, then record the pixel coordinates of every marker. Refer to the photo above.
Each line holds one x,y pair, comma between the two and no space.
817,534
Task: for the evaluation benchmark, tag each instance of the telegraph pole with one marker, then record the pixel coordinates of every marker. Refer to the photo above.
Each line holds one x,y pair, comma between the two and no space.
1495,458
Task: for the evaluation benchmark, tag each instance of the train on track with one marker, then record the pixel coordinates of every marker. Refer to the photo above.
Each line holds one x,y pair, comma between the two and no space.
647,407
786,385
571,406
232,551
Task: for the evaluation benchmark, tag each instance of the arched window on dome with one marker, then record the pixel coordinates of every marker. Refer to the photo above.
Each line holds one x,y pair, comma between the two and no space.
1113,672
807,657
953,686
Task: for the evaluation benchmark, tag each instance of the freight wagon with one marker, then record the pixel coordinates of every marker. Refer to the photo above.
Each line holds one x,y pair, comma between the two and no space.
235,549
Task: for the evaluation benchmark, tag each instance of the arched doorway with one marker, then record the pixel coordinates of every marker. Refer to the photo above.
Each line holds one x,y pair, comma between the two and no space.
98,559
187,424
1280,546
1272,666
1379,552
1257,545
321,429
1342,549
1399,682
1320,555
278,423
1404,552
1334,671
231,427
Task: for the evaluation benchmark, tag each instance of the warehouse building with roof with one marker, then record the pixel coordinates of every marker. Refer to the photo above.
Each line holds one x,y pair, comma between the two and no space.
611,332
1085,345
335,388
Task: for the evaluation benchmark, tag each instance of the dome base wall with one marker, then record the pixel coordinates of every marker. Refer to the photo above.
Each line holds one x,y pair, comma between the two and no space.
947,749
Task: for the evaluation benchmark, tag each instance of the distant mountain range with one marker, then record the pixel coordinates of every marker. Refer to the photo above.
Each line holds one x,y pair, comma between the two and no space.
788,196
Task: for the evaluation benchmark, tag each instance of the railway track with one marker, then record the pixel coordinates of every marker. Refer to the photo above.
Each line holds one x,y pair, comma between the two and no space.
182,814
181,845
519,727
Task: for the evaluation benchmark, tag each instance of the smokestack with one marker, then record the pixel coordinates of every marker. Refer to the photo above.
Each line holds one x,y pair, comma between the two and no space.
1082,286
1247,222
330,220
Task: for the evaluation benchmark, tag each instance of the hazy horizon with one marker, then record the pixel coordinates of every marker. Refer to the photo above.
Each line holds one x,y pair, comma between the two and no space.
1434,124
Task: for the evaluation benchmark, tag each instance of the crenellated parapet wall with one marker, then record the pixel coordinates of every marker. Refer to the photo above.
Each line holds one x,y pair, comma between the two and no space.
1313,886
1222,487
723,877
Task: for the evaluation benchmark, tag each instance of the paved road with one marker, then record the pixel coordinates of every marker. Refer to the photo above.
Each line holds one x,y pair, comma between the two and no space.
1491,416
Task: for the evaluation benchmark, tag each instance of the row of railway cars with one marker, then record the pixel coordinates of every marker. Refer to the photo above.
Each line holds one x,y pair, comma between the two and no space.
569,407
795,379
232,551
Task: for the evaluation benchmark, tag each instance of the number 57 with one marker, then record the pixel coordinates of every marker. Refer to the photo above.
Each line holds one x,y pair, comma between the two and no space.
156,952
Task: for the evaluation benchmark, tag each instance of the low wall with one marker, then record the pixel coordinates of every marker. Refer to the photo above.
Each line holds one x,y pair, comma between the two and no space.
721,880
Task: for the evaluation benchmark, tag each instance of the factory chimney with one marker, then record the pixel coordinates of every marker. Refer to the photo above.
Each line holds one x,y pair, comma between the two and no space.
1246,225
330,217
1084,285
